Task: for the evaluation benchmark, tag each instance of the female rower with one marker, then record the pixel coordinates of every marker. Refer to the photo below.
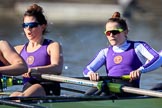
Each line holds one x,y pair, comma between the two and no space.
41,55
122,56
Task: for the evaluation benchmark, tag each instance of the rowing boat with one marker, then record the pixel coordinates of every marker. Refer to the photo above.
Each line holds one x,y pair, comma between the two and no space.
145,98
95,102
122,103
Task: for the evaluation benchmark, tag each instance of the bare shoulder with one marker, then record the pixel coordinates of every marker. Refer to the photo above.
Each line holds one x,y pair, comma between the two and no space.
54,45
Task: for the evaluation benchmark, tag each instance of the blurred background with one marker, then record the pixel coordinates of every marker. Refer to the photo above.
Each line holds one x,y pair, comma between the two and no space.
79,26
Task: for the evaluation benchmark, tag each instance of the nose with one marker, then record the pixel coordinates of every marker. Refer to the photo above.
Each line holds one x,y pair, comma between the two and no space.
28,27
111,34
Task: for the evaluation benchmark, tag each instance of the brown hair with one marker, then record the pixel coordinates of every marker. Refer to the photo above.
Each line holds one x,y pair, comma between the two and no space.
37,12
116,15
116,18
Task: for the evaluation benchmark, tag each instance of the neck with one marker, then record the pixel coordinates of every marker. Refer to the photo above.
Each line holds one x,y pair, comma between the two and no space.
122,43
35,43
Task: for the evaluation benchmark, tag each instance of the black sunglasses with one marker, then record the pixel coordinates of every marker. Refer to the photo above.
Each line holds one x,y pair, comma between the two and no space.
30,25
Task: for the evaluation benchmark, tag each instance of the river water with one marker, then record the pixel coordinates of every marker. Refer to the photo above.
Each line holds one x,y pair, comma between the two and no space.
81,42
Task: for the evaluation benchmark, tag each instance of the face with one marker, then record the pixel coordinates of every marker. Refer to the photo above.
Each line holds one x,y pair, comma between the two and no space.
32,28
115,35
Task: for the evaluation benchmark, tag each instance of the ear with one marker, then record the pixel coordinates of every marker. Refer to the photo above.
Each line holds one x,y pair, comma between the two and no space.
43,27
126,32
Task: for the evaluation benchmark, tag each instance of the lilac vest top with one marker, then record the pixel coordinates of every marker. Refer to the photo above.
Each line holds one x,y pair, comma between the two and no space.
119,64
39,57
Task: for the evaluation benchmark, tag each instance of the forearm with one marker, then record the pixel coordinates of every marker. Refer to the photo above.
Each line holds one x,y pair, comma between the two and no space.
96,63
93,66
13,70
49,69
154,59
151,66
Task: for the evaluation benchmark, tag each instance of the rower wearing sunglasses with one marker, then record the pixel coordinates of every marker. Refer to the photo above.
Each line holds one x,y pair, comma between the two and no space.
122,56
41,55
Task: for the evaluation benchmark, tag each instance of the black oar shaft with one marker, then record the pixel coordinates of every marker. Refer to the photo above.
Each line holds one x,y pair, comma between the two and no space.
21,105
124,77
60,98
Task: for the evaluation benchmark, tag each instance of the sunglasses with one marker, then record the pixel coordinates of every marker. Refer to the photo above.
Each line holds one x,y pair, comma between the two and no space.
114,32
30,25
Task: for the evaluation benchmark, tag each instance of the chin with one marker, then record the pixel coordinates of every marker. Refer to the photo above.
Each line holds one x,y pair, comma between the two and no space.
113,43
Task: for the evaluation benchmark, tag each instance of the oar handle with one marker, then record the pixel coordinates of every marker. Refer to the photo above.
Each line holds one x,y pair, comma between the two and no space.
125,77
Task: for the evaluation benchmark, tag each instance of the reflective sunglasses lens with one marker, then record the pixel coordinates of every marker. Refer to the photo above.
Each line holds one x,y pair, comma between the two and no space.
30,25
115,32
108,33
24,25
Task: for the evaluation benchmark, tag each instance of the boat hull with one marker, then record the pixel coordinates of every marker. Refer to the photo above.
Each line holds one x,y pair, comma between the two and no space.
117,103
125,103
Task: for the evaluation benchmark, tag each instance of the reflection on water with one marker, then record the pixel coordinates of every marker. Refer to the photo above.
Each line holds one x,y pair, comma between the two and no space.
82,41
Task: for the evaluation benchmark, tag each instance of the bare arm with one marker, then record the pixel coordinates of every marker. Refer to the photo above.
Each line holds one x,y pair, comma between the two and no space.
56,57
16,65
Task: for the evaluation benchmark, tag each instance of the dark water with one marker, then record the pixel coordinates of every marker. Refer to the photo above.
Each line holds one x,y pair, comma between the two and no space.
81,42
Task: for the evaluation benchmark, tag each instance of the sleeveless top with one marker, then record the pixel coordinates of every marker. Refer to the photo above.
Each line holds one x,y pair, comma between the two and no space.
123,63
119,64
39,57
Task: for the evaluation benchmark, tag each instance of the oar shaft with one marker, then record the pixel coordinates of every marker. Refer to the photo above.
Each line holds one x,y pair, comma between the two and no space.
70,80
113,87
72,90
5,93
141,91
124,77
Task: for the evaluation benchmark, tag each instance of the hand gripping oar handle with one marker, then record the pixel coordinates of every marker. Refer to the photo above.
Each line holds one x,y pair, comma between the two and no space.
113,87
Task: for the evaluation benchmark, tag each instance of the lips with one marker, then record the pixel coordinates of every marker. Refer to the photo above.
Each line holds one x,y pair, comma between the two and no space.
29,33
112,39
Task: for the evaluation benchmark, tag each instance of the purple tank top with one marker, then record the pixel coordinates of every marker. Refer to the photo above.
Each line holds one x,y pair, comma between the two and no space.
39,57
119,64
